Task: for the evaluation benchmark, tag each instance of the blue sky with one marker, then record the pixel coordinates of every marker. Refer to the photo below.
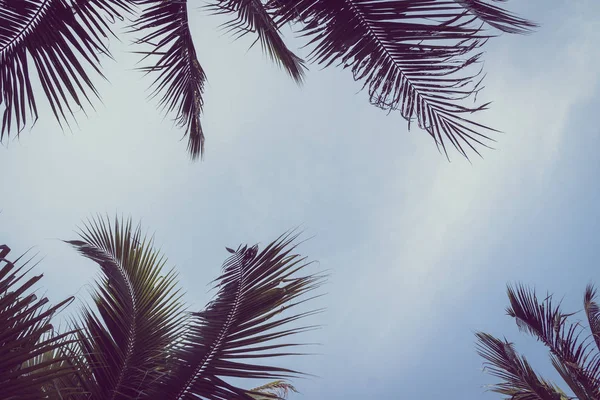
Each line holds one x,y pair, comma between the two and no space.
419,249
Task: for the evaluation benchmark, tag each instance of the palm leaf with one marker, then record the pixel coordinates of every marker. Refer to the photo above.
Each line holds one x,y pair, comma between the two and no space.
64,385
519,380
61,38
179,77
277,390
497,17
241,324
124,344
414,56
273,390
29,356
568,376
573,358
592,312
138,344
253,16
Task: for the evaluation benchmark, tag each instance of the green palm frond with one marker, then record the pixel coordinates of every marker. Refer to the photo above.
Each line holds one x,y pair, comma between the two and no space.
253,16
273,390
414,56
242,323
139,314
64,385
179,78
30,357
62,39
137,343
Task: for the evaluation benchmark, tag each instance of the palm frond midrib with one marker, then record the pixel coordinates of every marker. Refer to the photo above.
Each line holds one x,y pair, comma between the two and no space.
219,339
23,31
397,78
131,339
131,297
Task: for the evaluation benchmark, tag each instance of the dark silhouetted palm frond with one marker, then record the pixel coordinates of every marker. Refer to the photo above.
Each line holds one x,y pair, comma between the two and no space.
179,77
592,312
418,57
414,56
547,323
242,323
253,16
496,16
30,356
575,357
60,40
519,380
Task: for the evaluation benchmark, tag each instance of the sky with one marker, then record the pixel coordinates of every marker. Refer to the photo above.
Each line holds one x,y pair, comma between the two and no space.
419,249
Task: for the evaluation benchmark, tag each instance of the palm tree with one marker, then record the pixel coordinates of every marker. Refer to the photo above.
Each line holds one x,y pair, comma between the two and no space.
575,357
417,57
29,362
138,341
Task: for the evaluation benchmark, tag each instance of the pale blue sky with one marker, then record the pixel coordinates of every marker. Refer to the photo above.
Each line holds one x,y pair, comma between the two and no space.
419,249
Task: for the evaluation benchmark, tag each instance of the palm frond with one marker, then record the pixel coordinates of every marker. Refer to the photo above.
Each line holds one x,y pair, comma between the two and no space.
65,385
240,324
253,16
414,56
571,356
592,312
497,17
61,38
569,378
29,360
543,320
179,77
277,390
519,380
139,315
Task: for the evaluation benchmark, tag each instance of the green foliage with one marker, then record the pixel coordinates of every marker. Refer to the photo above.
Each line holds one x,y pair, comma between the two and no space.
138,341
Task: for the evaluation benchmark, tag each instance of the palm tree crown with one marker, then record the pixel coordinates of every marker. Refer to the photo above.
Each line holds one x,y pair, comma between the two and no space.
139,341
417,57
575,357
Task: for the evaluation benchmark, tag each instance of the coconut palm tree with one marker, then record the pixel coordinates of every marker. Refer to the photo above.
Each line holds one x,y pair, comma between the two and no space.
417,57
575,357
138,341
29,362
